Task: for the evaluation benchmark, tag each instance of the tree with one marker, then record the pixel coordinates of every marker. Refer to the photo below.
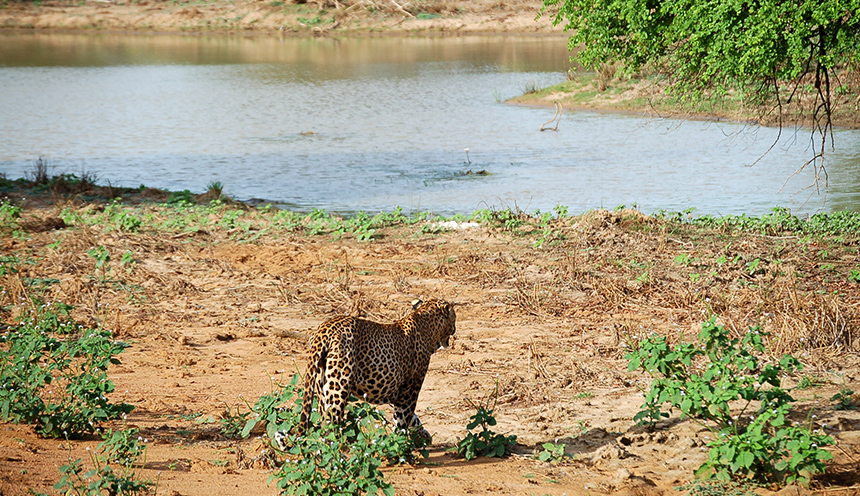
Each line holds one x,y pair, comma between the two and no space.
764,50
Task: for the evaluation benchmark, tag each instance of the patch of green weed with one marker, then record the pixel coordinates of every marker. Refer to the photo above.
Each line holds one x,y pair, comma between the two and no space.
53,373
753,438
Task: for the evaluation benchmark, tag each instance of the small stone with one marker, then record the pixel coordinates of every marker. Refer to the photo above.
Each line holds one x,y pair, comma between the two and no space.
621,475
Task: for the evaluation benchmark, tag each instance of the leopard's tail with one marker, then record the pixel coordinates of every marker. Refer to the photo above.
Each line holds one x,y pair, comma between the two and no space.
314,378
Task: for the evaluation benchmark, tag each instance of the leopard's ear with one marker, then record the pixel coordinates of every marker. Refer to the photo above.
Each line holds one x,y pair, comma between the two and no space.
416,304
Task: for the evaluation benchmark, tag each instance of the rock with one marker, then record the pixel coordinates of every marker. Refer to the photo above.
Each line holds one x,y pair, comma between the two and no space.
621,476
610,452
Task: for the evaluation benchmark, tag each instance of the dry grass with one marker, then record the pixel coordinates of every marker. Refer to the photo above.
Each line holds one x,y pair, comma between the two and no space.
41,171
621,271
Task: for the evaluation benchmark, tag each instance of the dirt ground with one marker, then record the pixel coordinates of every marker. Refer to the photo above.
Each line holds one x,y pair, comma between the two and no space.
215,314
279,17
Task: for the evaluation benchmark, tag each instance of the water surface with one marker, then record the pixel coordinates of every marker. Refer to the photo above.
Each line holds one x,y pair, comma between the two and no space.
373,123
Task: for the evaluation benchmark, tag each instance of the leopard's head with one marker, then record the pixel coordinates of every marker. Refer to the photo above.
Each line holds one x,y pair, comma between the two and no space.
439,318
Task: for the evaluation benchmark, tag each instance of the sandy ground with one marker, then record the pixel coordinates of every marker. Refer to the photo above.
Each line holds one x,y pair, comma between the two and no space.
280,17
214,315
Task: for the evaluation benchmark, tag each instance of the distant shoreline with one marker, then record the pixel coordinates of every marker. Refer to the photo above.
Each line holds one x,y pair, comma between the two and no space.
645,97
279,18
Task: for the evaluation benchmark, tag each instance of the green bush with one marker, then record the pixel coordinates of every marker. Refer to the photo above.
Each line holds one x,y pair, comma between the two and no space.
120,218
327,459
280,410
184,196
345,459
844,399
709,380
779,220
485,443
338,459
53,373
9,216
123,448
552,453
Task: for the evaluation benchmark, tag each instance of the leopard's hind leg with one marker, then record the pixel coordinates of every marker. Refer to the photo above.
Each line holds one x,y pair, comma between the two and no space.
339,375
314,380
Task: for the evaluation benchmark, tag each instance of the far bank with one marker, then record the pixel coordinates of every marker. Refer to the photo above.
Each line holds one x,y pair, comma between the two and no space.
280,18
650,95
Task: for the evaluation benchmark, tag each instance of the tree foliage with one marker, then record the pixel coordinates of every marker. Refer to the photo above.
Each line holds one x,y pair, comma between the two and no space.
761,48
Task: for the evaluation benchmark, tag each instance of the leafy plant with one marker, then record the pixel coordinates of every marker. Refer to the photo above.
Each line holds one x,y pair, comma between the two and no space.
706,48
124,446
485,443
753,267
125,449
102,257
779,220
843,399
53,373
807,382
9,264
313,21
342,459
127,260
233,425
703,379
552,453
184,196
9,216
280,409
230,218
328,459
120,218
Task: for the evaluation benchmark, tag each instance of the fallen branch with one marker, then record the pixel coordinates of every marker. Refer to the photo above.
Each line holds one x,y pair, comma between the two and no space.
401,9
558,112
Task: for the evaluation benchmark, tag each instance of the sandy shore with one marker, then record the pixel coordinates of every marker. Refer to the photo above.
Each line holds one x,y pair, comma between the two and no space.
280,18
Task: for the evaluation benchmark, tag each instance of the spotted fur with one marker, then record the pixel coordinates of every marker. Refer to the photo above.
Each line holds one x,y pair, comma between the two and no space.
382,363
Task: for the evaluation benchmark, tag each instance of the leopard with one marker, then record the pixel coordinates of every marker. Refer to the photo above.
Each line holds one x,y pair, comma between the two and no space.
379,363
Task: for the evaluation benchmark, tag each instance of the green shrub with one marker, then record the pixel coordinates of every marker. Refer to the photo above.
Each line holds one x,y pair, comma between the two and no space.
485,443
9,216
120,218
333,459
123,448
346,459
844,399
703,379
552,452
53,373
779,220
184,196
280,410
327,459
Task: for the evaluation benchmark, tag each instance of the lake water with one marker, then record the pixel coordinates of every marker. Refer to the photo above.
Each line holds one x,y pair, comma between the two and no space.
373,123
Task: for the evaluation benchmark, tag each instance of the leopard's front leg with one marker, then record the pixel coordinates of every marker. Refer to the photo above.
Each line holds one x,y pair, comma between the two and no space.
404,409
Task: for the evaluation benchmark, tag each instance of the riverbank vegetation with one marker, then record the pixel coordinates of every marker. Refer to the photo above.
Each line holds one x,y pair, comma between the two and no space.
213,299
779,62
